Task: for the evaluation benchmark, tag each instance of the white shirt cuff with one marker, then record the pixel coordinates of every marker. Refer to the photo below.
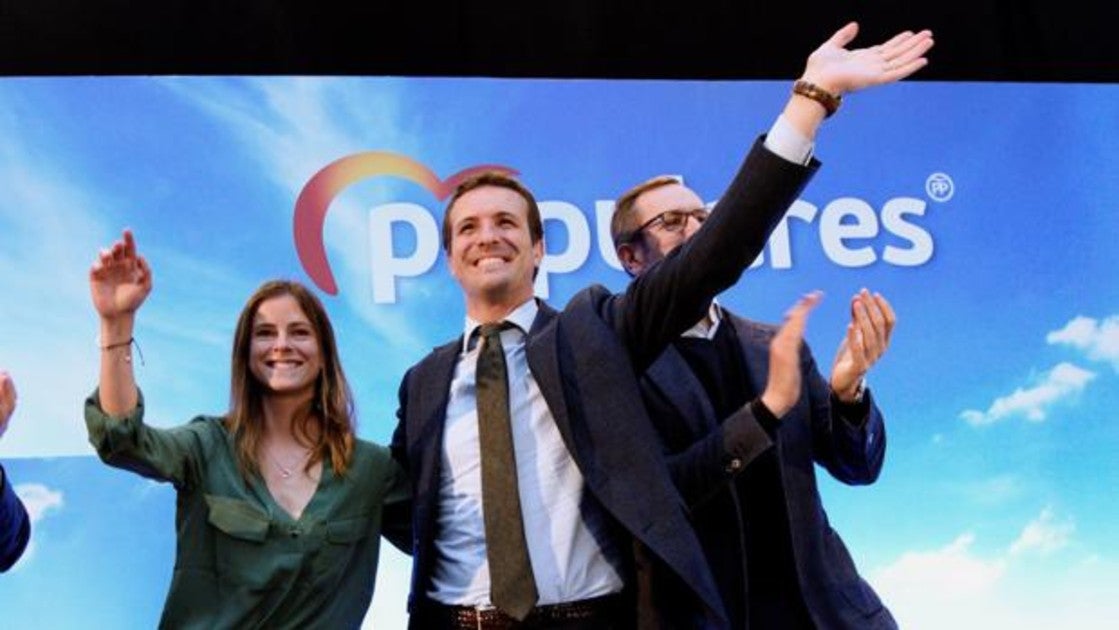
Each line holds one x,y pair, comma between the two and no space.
785,141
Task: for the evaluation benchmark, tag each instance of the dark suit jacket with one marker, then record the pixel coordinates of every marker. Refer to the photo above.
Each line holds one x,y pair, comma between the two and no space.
702,451
15,527
585,360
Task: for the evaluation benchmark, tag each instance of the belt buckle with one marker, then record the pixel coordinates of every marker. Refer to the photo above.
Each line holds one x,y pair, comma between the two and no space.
478,610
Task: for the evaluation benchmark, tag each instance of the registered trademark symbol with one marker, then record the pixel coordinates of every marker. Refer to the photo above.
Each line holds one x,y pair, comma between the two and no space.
940,187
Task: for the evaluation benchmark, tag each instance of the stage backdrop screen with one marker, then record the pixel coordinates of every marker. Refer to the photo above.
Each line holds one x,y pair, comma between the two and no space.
987,214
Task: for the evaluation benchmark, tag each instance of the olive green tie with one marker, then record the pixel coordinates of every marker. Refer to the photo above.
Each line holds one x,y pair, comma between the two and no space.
512,587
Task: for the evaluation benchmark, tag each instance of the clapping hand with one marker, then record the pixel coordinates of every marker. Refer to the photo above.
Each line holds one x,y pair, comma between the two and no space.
782,388
867,338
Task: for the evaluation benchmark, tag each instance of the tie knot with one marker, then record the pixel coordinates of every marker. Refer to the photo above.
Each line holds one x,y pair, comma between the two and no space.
493,329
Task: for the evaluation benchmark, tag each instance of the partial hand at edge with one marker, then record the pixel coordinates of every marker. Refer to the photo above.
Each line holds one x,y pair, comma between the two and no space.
7,400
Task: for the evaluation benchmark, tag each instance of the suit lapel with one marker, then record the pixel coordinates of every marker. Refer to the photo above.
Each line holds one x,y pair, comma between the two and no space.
754,341
427,396
540,350
620,459
433,386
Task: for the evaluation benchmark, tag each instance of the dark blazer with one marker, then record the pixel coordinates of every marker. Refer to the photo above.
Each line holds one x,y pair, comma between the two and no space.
585,360
15,527
707,455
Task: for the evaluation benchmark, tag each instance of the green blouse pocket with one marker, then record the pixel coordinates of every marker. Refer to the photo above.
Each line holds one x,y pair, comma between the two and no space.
347,531
345,550
243,560
239,519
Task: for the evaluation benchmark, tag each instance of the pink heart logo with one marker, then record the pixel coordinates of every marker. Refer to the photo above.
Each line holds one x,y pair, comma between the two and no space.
315,198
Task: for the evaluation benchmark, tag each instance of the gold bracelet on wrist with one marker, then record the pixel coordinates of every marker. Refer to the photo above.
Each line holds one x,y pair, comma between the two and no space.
829,101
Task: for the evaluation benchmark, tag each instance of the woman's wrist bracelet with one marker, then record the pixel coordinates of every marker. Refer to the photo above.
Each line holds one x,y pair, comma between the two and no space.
120,344
124,344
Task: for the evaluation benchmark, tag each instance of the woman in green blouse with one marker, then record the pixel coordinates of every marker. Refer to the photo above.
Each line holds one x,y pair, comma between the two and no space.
280,507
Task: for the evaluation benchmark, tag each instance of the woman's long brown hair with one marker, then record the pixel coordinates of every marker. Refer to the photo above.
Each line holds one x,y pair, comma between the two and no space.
327,424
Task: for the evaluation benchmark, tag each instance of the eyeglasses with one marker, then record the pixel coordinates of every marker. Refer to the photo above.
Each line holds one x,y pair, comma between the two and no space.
671,221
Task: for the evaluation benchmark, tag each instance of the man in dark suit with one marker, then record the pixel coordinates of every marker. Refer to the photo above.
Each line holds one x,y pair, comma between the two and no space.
743,413
589,482
15,527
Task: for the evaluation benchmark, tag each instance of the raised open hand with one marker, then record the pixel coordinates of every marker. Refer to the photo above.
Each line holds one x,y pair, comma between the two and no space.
119,279
840,71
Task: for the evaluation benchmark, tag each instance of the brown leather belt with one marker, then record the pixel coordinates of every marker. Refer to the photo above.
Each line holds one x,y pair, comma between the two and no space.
606,608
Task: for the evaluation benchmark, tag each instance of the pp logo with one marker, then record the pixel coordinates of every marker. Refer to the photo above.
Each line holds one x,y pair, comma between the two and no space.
940,187
324,186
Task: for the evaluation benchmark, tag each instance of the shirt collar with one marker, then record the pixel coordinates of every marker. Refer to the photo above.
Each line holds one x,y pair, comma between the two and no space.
709,325
521,317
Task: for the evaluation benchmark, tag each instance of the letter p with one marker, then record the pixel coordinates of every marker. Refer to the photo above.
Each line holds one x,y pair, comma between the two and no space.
386,266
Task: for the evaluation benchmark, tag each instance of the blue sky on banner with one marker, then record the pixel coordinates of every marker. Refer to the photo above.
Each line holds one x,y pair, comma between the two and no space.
981,211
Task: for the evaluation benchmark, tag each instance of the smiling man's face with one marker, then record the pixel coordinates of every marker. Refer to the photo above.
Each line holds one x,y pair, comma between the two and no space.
491,253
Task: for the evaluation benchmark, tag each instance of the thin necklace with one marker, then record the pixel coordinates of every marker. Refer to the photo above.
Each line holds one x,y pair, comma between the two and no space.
287,471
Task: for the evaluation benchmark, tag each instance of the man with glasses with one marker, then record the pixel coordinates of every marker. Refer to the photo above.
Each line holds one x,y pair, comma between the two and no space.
741,437
667,222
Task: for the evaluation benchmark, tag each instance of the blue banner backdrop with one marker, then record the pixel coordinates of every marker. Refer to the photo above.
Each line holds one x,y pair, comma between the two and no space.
986,214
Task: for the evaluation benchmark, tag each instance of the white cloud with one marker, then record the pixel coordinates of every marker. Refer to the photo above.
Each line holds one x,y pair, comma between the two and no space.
949,574
1099,340
40,501
1032,403
957,586
1044,535
994,490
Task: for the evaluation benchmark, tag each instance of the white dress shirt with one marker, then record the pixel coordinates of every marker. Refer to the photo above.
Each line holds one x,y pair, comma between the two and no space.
572,556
